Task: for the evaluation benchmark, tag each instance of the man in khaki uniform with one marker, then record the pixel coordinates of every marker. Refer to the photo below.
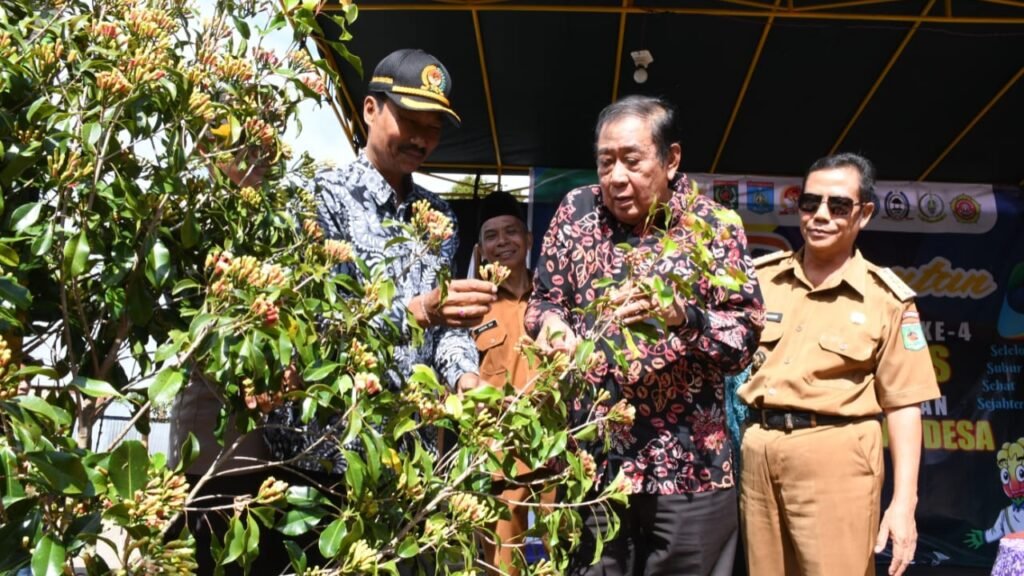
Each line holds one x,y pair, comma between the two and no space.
842,345
505,239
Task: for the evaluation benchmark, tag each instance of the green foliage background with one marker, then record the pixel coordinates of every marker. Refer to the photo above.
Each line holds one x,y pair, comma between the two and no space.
131,264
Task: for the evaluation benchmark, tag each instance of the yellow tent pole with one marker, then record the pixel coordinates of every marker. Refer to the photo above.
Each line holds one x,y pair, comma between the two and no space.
340,86
1015,3
487,91
970,126
743,89
849,4
733,13
878,81
471,167
618,52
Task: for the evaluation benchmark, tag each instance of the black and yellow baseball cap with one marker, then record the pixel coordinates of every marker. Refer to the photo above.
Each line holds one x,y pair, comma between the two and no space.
415,80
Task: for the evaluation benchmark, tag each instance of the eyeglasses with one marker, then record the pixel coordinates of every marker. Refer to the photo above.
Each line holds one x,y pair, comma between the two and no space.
837,205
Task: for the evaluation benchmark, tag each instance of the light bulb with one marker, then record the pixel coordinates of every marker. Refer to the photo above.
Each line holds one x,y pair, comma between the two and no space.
640,75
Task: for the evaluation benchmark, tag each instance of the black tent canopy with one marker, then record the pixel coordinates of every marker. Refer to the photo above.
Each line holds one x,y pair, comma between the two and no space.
929,89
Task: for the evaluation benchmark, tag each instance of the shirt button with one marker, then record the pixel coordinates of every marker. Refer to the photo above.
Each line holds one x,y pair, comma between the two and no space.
771,391
786,361
800,328
842,346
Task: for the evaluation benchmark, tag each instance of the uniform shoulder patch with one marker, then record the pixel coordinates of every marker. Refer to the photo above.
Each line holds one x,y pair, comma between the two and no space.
894,283
766,259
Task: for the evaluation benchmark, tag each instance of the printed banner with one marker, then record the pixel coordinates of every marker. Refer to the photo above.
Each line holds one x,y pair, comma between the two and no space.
961,248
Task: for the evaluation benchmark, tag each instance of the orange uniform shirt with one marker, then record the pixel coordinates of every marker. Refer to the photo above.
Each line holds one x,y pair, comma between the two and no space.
496,338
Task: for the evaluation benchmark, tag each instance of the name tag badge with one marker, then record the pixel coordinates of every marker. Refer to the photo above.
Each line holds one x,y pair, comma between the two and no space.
773,316
483,328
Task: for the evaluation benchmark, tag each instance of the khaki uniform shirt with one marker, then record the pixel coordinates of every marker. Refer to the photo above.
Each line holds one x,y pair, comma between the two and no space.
850,347
496,338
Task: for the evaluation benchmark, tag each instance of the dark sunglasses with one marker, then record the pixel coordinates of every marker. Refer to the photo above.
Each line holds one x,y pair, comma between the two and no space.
837,205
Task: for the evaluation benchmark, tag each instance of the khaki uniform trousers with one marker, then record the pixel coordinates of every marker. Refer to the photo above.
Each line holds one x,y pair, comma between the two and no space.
809,499
510,532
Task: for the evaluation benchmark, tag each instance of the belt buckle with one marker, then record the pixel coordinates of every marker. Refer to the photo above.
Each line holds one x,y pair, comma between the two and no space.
788,418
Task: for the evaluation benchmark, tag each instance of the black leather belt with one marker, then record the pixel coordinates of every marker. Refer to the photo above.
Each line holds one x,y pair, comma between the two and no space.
796,420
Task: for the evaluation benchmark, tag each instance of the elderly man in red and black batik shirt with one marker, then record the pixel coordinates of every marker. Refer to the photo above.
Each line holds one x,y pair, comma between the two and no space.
682,517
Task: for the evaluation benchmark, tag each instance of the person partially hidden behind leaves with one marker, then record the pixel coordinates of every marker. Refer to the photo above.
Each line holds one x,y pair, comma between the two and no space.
196,411
504,244
682,515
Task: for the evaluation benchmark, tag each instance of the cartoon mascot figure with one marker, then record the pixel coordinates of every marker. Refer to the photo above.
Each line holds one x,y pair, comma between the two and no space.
1010,459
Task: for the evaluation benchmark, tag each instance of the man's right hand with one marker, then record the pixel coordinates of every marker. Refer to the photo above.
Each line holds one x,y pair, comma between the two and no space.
556,336
467,303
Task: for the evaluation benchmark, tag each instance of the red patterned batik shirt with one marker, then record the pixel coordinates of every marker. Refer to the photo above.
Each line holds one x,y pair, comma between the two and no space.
678,443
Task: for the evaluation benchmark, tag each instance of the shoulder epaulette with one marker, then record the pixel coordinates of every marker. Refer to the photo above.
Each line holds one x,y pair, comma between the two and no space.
894,283
771,257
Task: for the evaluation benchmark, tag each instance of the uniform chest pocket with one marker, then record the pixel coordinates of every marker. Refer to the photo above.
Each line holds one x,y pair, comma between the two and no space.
490,343
855,347
771,334
843,361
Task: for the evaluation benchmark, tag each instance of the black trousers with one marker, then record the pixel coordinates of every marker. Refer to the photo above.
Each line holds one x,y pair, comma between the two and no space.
678,535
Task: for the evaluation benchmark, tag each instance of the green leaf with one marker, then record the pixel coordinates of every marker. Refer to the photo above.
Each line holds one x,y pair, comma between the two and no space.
264,514
252,538
320,372
484,393
48,558
241,26
186,284
64,471
453,406
52,413
168,349
10,487
158,264
129,465
8,256
16,161
297,556
41,244
166,386
95,388
91,133
355,472
630,343
583,352
408,548
189,452
189,231
11,291
140,303
298,522
234,541
330,539
25,216
76,254
28,371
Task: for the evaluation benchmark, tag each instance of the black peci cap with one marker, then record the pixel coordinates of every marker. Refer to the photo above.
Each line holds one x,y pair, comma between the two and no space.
500,204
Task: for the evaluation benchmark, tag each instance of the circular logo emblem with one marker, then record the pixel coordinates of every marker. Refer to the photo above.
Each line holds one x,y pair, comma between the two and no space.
897,206
433,79
789,197
930,207
965,209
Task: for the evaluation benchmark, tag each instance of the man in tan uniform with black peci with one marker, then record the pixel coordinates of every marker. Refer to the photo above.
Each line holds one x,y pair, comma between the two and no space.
505,239
842,345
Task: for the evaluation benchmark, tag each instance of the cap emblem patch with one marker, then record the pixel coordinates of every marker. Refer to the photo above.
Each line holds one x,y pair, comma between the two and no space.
433,79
